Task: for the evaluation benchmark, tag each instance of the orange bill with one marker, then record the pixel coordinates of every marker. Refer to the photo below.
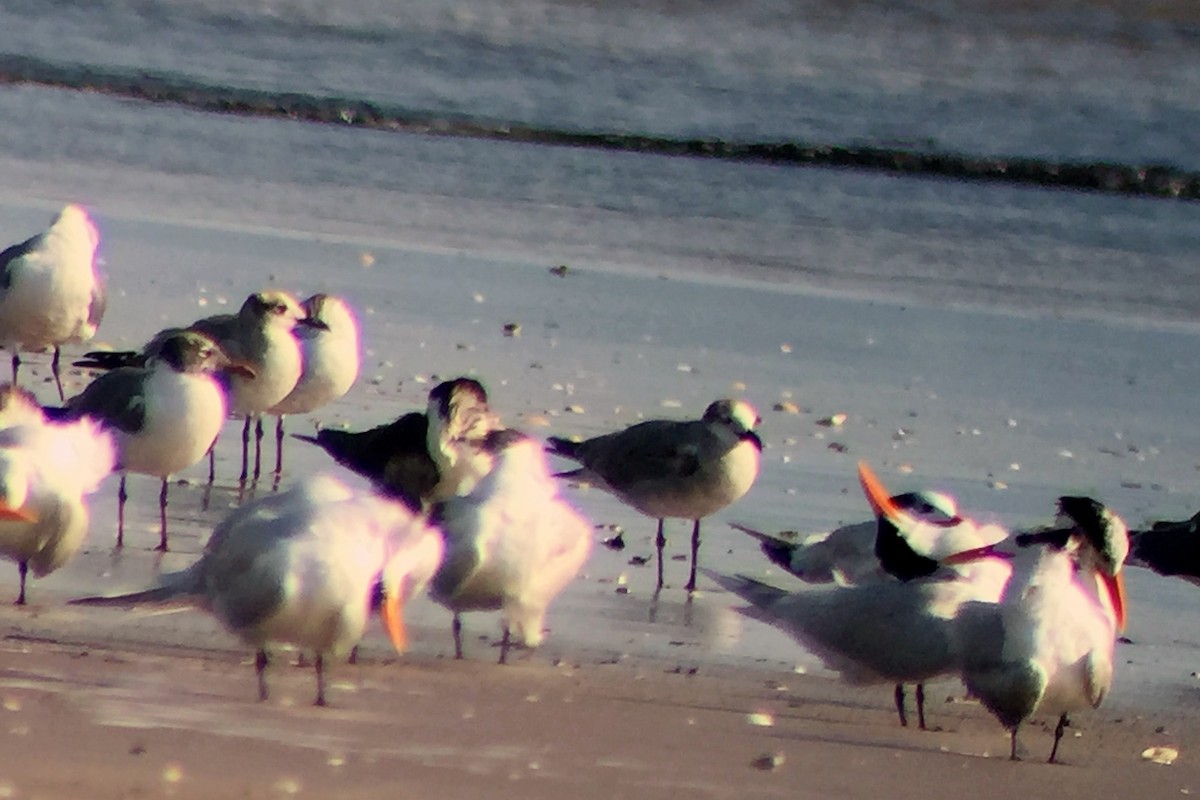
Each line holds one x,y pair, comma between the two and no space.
1115,584
17,514
976,554
877,493
392,612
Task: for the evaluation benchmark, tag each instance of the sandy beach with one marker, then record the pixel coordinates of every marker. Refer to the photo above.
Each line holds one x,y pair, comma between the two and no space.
630,697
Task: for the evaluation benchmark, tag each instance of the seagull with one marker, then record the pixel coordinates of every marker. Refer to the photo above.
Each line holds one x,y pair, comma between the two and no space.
50,290
512,544
164,416
665,468
414,460
305,567
1047,646
261,337
1168,548
329,347
46,470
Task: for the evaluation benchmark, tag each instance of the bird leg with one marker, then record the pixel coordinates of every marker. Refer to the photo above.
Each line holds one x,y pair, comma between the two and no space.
921,706
258,435
260,668
319,666
23,568
456,627
212,462
1012,755
660,541
691,584
16,365
900,705
245,452
279,445
1063,722
504,644
162,517
122,496
62,397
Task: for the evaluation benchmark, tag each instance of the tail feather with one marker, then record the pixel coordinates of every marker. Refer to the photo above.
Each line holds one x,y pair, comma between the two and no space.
762,596
176,587
110,359
779,551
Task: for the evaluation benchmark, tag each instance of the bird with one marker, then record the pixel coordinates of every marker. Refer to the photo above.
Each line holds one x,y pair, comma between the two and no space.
512,544
305,567
51,292
886,630
414,460
47,469
393,456
165,415
330,356
1047,646
667,468
261,337
1168,548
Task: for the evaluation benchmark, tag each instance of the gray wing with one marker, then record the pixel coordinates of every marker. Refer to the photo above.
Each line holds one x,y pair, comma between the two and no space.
648,451
115,398
10,255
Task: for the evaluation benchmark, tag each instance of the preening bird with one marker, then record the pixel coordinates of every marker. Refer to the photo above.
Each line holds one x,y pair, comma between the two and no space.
305,567
51,292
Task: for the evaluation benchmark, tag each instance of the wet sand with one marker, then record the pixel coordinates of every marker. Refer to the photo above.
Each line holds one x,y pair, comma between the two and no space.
629,697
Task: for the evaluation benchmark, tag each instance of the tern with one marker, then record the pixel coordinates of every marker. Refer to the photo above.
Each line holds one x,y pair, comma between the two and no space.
50,290
164,416
305,567
1047,646
512,544
330,353
46,470
665,468
460,420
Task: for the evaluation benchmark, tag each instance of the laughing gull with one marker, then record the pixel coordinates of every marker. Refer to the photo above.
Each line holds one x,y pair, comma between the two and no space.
329,348
260,337
512,544
50,290
46,470
166,415
665,468
416,460
305,567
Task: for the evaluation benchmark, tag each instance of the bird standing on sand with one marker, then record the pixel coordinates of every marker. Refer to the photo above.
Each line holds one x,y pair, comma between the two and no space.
665,468
260,337
50,290
305,567
512,544
164,416
886,630
46,469
415,460
329,348
1047,646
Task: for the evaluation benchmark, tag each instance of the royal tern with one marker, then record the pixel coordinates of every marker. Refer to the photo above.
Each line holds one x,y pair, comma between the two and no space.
46,470
1047,646
329,348
50,290
305,567
164,416
665,468
512,544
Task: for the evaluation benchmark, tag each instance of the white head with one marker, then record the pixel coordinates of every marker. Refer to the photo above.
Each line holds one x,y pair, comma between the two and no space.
74,223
